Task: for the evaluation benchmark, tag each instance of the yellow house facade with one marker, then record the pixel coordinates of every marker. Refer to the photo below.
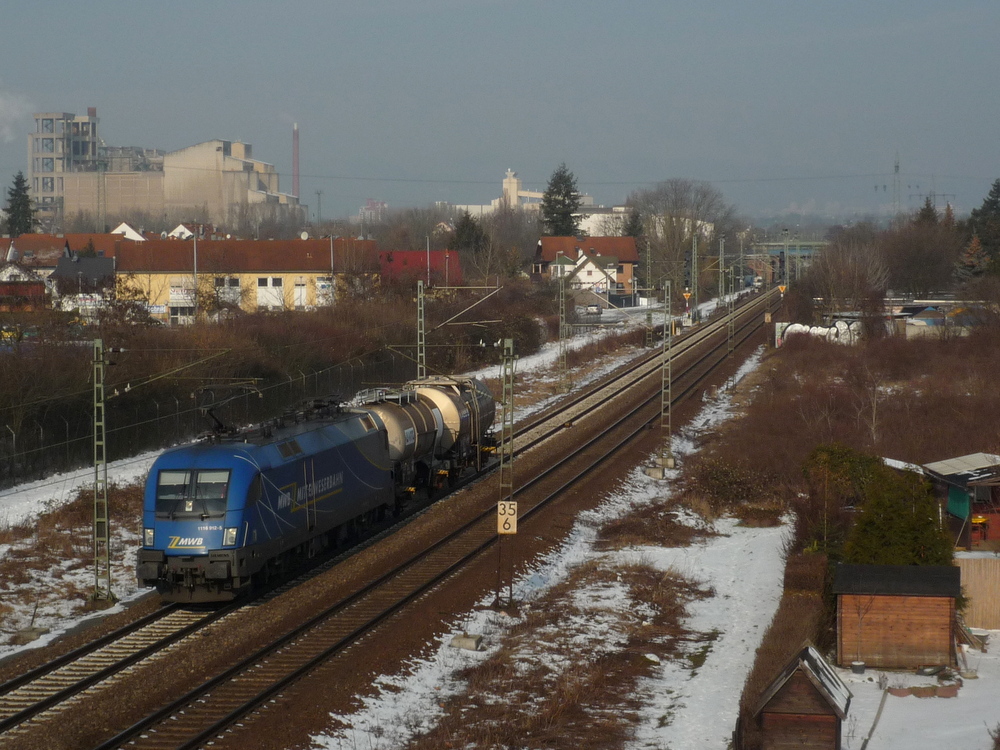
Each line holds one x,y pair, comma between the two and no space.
181,279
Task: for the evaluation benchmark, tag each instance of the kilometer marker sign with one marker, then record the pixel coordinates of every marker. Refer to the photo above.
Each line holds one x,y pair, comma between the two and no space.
507,517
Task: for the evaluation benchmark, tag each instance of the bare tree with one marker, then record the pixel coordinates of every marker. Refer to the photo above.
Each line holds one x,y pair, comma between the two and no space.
675,210
848,273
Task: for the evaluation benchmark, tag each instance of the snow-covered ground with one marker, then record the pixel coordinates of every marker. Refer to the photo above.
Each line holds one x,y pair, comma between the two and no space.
912,723
743,566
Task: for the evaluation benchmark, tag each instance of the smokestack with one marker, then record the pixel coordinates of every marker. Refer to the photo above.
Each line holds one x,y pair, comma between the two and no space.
295,159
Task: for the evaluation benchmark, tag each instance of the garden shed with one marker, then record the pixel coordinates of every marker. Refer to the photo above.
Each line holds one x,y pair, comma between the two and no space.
804,705
896,616
969,487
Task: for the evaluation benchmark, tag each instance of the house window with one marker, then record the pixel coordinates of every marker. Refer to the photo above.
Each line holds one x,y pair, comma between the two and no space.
276,281
48,165
47,125
589,272
48,184
261,281
48,145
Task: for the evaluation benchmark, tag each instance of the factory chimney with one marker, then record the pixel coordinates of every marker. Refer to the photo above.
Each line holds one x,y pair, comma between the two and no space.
295,159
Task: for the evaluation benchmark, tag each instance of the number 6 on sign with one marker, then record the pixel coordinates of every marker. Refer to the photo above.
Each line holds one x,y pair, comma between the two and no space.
507,518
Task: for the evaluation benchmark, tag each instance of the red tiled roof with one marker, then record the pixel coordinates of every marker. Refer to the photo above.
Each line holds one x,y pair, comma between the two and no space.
240,256
53,245
622,248
412,264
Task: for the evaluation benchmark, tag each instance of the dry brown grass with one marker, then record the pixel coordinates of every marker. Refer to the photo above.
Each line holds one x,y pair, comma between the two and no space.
653,524
51,559
553,683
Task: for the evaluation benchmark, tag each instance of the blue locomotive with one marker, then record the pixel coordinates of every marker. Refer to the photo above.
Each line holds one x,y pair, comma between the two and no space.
228,510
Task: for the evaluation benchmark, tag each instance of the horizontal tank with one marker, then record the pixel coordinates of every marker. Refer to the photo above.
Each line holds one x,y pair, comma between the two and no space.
466,407
413,427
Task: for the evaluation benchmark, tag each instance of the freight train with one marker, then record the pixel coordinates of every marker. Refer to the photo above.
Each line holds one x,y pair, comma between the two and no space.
233,509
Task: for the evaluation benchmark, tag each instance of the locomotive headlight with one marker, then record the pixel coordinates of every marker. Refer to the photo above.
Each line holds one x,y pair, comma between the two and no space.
229,536
148,537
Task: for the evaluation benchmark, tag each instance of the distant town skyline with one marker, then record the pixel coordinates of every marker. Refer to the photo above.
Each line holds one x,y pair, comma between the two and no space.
781,105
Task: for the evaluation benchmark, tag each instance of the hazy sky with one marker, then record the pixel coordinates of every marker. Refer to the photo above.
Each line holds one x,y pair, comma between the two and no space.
780,103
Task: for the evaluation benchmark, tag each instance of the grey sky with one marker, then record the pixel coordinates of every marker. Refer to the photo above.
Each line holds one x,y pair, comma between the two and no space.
777,102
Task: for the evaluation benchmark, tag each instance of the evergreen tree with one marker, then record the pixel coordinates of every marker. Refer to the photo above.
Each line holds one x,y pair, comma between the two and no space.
559,202
973,262
20,214
633,224
927,213
985,222
898,524
948,220
468,235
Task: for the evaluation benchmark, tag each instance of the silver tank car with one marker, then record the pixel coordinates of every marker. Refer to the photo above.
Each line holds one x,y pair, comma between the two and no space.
412,426
465,405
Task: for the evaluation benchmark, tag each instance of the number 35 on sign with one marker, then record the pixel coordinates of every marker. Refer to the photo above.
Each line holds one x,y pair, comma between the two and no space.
507,518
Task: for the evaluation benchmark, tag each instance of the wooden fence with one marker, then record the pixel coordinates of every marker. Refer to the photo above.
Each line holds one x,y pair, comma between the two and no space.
981,585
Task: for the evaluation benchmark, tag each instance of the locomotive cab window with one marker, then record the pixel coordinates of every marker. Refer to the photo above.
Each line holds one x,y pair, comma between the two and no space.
192,493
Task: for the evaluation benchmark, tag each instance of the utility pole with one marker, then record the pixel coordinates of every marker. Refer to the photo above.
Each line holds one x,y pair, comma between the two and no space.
694,271
563,336
731,311
666,390
421,332
194,303
507,423
649,299
101,521
784,234
722,260
506,507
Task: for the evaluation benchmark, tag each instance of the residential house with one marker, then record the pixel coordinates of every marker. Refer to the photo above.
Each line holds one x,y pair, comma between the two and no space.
604,265
21,289
181,278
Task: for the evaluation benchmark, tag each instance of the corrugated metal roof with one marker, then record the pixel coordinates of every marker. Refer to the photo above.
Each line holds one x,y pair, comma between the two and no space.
964,464
898,580
968,471
820,674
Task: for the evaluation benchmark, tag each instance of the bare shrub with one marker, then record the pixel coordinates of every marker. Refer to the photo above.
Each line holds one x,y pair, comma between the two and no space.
652,524
805,572
727,484
760,515
995,736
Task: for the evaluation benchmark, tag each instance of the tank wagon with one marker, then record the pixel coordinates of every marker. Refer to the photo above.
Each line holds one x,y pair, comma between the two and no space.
227,510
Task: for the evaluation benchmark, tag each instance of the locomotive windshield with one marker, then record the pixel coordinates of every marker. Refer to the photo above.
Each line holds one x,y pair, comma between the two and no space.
192,493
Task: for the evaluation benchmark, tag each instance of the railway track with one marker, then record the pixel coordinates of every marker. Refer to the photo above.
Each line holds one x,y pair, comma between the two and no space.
206,713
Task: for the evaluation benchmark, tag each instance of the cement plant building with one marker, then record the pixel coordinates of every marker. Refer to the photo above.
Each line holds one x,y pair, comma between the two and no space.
71,171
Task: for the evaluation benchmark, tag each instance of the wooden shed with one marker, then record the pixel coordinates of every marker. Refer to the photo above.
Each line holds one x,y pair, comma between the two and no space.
896,616
804,706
